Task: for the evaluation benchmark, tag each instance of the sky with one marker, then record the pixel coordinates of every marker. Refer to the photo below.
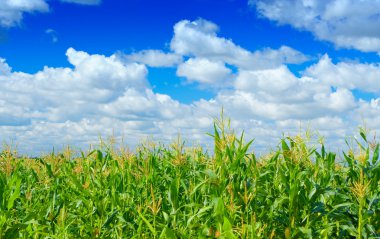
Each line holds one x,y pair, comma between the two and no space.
74,70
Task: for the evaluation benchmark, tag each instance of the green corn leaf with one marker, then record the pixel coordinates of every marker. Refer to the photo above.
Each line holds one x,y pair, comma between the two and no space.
375,156
173,194
167,233
151,228
363,134
15,193
218,207
110,218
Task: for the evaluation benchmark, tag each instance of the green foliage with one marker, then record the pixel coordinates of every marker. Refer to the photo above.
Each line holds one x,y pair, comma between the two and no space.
297,191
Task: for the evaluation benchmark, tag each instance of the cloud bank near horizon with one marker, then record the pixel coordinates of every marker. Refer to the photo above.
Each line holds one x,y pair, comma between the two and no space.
102,95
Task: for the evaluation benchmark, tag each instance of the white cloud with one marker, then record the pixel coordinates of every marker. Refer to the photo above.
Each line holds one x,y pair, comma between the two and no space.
58,106
5,69
206,72
106,72
271,80
369,113
11,11
283,55
199,39
59,94
251,105
337,21
361,76
84,2
279,85
101,94
340,101
153,58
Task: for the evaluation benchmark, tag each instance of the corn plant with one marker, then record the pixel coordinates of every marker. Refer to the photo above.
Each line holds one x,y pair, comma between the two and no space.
299,190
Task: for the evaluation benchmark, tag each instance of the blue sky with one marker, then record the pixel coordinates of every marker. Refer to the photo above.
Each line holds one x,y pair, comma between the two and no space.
76,69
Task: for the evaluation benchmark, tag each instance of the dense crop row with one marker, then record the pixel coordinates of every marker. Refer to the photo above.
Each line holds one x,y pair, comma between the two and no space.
297,191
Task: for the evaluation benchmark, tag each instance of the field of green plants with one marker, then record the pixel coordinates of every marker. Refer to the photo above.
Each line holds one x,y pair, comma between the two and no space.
299,190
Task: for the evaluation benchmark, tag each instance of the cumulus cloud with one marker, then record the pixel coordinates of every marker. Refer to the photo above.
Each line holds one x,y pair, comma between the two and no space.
11,11
206,72
106,72
290,96
337,21
5,69
60,94
153,58
369,112
275,80
253,106
58,106
360,76
199,39
100,94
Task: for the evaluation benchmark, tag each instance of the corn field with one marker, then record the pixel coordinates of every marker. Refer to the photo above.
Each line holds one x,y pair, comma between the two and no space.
297,191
